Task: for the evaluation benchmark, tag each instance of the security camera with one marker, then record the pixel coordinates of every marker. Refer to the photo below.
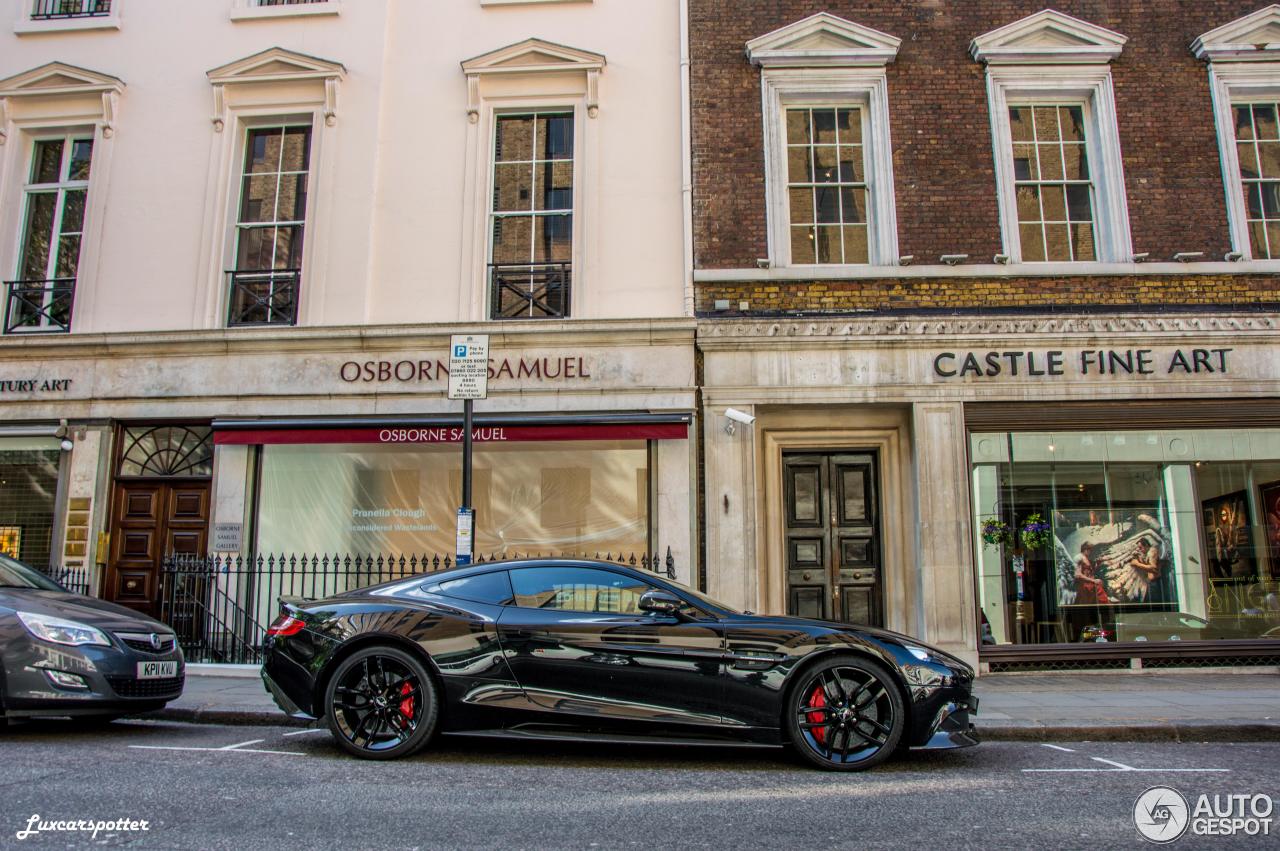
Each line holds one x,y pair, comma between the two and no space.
736,416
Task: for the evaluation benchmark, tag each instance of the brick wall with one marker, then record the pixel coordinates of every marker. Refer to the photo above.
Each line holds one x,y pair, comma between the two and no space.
978,293
942,157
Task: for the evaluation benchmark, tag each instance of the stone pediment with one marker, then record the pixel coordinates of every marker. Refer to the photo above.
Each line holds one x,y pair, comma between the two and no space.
59,78
276,65
823,40
1048,37
532,55
1253,38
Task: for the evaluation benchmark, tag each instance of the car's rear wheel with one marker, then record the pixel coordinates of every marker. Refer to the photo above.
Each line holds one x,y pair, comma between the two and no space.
846,714
381,703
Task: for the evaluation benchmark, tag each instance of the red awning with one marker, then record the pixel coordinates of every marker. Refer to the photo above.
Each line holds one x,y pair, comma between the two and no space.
427,434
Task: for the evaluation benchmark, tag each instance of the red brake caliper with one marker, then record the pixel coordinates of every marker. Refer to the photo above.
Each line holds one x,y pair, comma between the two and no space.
406,705
818,698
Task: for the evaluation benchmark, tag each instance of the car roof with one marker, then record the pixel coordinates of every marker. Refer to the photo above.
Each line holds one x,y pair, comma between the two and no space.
537,561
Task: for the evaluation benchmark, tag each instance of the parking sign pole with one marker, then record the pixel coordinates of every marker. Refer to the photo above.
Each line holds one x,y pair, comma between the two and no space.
468,381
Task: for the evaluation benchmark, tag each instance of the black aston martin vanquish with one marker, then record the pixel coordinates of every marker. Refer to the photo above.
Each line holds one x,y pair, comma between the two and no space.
562,648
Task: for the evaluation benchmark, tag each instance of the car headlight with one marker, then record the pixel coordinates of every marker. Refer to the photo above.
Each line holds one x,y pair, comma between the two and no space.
918,652
61,631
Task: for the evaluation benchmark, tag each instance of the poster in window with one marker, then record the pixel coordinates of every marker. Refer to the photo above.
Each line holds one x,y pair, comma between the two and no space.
1113,557
1271,516
1227,545
11,540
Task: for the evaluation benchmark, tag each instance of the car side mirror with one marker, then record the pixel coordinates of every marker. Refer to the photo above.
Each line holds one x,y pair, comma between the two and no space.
661,602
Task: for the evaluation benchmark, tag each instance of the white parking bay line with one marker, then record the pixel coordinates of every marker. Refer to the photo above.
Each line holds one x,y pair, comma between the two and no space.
231,749
1118,767
242,744
1058,748
304,732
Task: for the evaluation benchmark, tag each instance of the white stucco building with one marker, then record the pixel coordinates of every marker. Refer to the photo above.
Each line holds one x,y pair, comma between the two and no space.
236,236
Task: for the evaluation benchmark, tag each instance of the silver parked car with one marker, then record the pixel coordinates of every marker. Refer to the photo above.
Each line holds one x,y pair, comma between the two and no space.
65,654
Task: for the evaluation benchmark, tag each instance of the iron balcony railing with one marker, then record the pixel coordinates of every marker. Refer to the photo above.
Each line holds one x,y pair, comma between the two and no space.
221,605
529,290
39,306
44,10
266,297
288,2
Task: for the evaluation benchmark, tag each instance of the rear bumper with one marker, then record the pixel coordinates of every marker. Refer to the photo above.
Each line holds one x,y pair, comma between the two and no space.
290,684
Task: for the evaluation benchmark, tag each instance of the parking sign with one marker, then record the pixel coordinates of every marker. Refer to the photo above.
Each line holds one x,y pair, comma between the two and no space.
469,366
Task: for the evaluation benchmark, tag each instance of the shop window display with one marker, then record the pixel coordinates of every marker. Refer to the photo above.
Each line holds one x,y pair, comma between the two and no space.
28,491
576,497
1127,536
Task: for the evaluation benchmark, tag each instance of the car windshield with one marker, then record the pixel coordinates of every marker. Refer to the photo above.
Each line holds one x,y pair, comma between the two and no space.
15,574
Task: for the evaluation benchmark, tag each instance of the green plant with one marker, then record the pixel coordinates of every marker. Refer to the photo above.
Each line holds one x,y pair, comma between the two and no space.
1035,532
996,532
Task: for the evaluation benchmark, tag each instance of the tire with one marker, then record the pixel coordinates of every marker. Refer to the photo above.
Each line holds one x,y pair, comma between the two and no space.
381,703
845,714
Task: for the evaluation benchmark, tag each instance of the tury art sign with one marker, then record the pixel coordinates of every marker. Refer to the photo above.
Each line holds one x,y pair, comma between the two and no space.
25,386
419,371
1082,363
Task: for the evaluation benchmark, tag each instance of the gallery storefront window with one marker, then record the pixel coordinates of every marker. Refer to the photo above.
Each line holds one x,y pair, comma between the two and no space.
581,497
1128,536
28,493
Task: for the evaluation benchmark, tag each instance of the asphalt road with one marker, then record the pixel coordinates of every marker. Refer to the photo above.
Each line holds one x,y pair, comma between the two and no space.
214,787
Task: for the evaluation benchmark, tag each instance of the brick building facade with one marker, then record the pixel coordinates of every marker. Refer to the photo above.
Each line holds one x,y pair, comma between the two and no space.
966,264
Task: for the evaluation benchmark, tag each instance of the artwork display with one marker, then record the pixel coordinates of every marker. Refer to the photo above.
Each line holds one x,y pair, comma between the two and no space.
11,540
1227,545
1116,556
1271,516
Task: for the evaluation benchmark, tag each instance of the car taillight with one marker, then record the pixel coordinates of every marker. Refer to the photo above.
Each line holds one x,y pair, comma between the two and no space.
285,625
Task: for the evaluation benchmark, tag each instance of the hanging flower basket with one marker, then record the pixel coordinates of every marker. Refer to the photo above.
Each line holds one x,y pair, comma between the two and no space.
996,532
1035,532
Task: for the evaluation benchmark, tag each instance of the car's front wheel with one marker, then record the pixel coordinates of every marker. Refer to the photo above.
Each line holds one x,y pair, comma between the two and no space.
846,714
381,703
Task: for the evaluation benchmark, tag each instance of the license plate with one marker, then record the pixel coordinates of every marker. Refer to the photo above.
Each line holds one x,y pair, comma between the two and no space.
157,670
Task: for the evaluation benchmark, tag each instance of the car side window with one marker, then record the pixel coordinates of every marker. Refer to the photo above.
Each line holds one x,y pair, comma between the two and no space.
577,589
493,588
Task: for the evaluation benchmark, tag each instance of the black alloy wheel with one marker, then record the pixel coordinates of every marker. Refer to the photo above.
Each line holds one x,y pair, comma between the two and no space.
381,704
846,714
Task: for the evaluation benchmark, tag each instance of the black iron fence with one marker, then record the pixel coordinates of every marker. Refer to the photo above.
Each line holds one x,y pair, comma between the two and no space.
77,580
221,605
33,306
42,10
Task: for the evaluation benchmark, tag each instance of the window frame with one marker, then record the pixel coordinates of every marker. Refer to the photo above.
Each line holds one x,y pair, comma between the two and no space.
244,124
1086,86
1231,86
27,25
864,88
491,215
252,10
493,109
68,136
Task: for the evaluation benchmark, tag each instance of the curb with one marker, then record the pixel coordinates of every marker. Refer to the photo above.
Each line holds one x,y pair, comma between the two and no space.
1180,731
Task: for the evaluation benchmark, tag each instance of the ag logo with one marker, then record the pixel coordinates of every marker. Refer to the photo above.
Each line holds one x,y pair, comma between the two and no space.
1161,814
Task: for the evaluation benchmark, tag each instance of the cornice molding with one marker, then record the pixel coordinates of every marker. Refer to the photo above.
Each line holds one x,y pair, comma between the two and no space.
1252,38
982,326
1048,37
823,41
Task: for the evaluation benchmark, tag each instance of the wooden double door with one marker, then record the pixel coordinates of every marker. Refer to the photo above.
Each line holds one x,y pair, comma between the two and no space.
149,520
833,539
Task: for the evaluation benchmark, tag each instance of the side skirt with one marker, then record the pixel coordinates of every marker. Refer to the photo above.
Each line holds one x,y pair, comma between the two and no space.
529,732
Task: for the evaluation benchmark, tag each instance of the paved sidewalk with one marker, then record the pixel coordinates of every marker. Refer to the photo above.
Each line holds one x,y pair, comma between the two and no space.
1013,707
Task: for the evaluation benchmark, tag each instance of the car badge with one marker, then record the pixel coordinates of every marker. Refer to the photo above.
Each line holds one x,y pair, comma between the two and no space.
155,641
